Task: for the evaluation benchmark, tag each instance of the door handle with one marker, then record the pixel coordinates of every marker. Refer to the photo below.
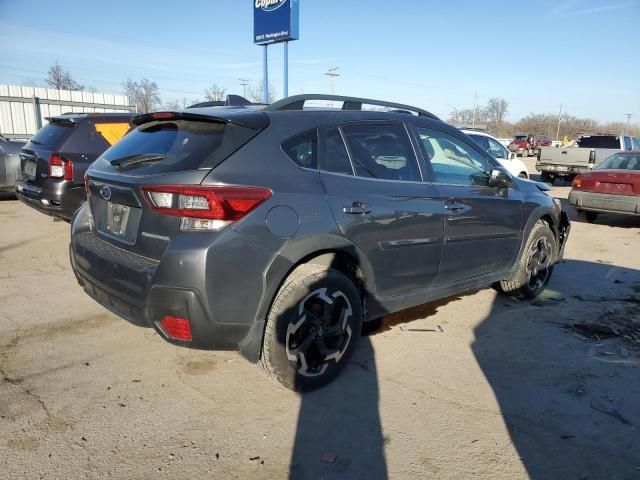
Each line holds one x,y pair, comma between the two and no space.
456,207
357,208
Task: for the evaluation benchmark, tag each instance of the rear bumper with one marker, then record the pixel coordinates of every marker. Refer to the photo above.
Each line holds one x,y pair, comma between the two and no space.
58,198
562,170
605,203
189,281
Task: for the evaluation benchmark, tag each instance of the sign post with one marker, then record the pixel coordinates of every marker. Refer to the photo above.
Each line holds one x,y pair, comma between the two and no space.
275,21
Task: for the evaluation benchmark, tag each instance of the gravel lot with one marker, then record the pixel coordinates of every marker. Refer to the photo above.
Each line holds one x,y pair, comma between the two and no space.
477,386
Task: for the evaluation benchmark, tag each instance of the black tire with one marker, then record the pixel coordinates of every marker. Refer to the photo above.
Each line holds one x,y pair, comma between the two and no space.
523,175
547,177
587,217
312,328
535,265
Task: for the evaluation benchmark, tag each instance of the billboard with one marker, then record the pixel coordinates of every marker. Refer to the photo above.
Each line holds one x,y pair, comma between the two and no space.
275,21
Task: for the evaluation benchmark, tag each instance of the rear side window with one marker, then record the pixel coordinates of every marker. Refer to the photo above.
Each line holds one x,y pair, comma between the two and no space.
599,141
627,143
382,151
53,134
303,149
185,145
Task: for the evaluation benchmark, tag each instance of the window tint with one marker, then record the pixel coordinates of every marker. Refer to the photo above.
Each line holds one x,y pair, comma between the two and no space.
334,154
186,145
497,149
303,148
382,151
480,140
53,134
621,162
86,139
599,141
452,160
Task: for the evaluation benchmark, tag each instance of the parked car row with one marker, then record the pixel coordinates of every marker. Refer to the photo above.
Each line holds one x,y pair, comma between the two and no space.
581,156
278,230
54,161
9,163
527,145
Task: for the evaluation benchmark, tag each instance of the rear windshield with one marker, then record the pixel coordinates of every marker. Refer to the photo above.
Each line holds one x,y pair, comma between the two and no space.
185,145
621,162
53,134
599,141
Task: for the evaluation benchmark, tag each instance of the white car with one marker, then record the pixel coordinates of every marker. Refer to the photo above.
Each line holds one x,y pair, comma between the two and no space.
507,159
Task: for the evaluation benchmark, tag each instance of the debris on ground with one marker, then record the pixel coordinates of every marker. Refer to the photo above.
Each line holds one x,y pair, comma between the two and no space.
623,324
329,457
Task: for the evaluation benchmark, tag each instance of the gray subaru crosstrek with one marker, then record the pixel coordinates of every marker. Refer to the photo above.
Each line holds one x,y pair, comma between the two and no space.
277,231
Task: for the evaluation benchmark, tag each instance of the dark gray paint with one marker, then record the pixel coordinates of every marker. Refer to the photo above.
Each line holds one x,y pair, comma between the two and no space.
408,248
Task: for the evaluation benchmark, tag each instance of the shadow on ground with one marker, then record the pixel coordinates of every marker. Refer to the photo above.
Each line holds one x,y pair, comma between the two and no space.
570,412
569,403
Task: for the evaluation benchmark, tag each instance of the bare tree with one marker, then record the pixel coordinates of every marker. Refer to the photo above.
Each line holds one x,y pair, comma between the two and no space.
61,79
496,111
144,94
256,93
465,117
215,93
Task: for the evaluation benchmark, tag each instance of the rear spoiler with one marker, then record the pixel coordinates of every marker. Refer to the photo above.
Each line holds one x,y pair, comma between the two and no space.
242,117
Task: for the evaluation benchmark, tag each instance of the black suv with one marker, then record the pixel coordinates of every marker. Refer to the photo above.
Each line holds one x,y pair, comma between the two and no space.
277,231
54,161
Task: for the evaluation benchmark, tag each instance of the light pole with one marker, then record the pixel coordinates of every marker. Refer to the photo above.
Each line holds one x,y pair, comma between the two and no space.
333,73
558,129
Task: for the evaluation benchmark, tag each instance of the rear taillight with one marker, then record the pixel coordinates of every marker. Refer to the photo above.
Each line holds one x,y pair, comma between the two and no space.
204,207
60,167
176,328
577,182
592,158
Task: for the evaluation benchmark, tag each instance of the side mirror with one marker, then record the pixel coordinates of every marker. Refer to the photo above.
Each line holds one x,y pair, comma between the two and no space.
512,156
499,179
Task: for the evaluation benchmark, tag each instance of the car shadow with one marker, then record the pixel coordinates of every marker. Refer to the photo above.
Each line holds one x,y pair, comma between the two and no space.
569,403
554,414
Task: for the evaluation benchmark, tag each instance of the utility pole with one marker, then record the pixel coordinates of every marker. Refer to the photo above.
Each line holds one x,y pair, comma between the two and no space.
475,101
333,73
629,115
558,129
244,82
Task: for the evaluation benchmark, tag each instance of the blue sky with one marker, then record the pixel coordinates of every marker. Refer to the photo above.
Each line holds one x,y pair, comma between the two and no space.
433,54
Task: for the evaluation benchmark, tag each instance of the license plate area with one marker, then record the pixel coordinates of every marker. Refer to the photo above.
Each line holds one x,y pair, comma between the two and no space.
29,169
116,221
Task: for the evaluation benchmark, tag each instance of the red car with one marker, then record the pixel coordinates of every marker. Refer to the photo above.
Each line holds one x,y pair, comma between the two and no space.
541,141
613,187
521,145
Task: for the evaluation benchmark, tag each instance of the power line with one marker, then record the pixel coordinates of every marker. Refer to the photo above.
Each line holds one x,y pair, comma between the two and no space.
629,115
244,82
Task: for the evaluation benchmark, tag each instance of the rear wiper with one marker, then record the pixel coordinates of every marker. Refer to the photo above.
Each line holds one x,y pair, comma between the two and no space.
137,159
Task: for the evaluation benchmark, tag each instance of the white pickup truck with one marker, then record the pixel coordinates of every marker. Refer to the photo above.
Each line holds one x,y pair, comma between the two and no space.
581,155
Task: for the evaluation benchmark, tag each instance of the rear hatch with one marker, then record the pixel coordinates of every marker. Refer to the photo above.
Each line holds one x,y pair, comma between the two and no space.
169,149
35,155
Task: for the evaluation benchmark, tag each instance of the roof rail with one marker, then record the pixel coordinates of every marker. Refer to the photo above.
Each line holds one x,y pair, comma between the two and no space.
296,102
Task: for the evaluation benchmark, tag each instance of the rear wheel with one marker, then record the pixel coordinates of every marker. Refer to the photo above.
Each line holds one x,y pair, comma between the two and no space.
535,265
523,175
587,217
547,177
312,328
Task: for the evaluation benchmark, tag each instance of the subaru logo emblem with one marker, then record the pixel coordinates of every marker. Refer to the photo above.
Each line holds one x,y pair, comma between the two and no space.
105,192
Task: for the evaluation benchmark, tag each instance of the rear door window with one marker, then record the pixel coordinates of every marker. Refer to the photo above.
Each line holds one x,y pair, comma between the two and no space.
497,149
382,151
185,145
335,158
